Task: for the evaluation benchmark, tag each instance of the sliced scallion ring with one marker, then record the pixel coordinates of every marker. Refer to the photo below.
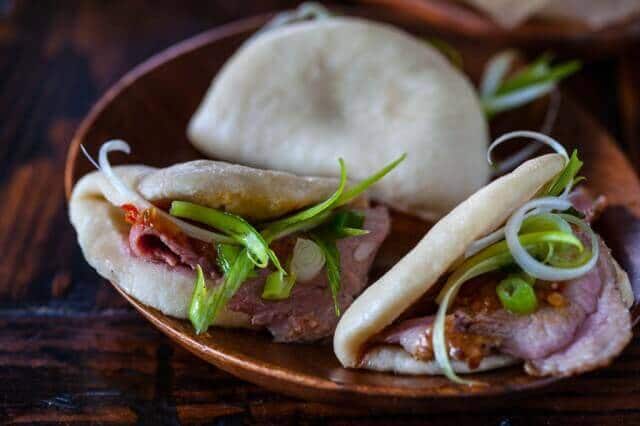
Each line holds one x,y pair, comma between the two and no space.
531,265
539,137
307,260
517,295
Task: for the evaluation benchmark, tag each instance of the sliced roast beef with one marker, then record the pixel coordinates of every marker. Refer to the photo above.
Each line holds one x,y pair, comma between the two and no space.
308,314
160,241
588,331
549,328
590,327
415,336
585,202
599,338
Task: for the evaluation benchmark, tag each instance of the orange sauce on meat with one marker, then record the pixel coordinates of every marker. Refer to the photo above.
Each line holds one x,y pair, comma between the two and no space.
550,293
131,213
150,218
479,296
461,345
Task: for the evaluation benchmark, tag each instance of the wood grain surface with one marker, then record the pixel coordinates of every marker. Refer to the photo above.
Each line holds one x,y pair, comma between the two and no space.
72,350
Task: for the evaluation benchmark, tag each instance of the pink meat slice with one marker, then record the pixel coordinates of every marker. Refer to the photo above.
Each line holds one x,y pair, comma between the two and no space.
601,337
549,329
173,248
411,334
308,314
584,201
587,333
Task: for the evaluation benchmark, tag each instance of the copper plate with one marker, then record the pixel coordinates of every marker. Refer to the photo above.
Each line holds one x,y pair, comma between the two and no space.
150,107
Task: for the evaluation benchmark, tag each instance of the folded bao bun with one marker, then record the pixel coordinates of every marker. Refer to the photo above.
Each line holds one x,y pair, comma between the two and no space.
96,215
297,97
411,278
383,302
594,13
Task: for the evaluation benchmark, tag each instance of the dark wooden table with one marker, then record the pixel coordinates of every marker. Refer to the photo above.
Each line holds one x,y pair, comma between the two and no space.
72,351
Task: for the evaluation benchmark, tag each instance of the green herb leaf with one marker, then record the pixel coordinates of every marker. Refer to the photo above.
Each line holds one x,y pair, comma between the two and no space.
236,227
332,265
565,177
517,295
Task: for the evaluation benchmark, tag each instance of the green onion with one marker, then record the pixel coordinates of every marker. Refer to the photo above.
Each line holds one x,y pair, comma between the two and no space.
534,242
305,225
569,257
239,229
206,304
530,83
201,301
566,177
481,265
495,70
354,191
492,258
278,286
495,104
307,259
517,295
316,215
539,72
544,222
279,226
344,224
332,265
226,255
237,264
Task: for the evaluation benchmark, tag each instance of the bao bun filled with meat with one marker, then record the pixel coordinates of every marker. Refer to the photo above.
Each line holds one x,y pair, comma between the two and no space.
230,245
296,97
512,274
